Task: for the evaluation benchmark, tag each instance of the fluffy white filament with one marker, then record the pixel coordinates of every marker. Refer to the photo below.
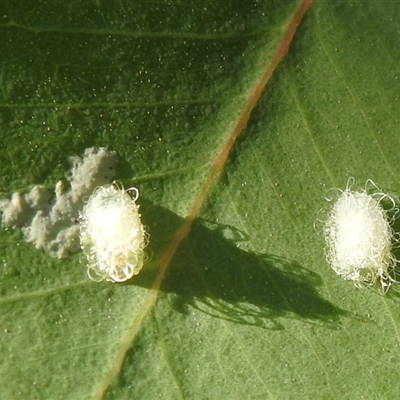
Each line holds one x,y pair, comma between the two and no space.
359,239
112,235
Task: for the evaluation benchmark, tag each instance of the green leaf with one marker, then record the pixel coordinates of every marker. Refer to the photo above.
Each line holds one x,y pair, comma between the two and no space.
248,307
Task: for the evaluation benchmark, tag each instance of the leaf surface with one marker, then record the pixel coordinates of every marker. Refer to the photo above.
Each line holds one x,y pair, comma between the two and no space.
248,307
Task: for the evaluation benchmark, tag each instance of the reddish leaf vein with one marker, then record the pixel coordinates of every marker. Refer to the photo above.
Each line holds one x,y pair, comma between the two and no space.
217,167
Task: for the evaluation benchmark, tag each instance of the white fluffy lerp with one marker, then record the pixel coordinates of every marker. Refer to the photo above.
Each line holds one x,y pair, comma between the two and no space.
359,239
112,235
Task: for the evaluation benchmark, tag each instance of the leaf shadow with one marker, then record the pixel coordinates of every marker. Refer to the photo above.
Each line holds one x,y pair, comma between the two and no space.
210,273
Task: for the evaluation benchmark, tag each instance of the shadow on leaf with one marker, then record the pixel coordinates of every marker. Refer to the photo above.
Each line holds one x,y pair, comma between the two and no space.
212,274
